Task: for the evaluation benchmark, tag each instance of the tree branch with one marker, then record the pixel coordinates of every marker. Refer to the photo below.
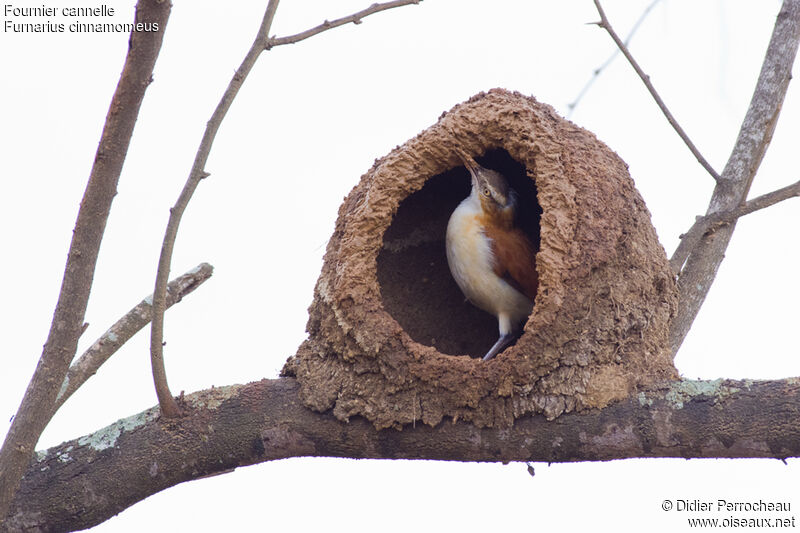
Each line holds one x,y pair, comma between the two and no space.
704,258
355,18
708,223
125,328
169,407
246,424
605,24
262,42
599,70
62,341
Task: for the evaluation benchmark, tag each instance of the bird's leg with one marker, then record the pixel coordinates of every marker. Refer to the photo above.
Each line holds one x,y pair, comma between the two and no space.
507,335
500,345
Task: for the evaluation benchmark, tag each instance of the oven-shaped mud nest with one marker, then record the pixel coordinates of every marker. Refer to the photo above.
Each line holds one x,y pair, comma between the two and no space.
391,336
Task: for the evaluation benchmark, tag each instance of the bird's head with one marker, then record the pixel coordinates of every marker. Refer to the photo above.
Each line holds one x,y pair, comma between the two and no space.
491,188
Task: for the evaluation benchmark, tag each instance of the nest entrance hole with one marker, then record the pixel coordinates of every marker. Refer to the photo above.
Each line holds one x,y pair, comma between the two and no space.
417,288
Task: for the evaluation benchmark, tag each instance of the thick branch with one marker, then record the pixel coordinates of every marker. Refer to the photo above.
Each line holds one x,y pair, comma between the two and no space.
168,405
125,328
711,222
605,24
704,258
355,18
62,341
245,424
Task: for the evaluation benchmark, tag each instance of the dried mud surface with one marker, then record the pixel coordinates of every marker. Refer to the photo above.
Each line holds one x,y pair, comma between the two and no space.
390,335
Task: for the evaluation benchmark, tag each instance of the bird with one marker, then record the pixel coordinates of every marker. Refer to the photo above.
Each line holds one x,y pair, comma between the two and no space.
491,259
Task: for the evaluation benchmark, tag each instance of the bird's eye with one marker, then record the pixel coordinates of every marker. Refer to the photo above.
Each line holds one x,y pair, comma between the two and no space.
486,191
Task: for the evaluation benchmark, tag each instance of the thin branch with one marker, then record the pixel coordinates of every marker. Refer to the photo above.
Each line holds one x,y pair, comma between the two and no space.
599,70
125,328
262,42
711,222
355,18
765,200
704,258
605,24
169,406
228,427
62,341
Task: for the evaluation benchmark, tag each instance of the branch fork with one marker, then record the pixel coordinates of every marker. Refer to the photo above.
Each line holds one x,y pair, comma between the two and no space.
702,248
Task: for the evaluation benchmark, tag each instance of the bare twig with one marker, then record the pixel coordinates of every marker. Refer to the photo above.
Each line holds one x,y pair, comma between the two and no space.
125,328
711,222
355,18
703,259
606,25
62,341
599,70
169,407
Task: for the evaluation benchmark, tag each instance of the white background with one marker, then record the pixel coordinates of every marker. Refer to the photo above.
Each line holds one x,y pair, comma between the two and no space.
310,120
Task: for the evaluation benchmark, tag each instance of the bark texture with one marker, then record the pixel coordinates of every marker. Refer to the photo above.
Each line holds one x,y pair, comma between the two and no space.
730,192
62,341
90,479
390,332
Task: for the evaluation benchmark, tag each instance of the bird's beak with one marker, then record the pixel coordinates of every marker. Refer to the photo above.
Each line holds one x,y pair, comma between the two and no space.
468,161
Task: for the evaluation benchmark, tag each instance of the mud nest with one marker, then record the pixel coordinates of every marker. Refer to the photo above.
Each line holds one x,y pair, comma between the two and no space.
391,337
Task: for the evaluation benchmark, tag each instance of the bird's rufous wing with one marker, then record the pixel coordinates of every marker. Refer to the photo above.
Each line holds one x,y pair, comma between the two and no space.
515,259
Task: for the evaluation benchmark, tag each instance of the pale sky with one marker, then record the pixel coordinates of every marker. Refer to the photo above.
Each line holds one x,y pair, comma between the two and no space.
308,123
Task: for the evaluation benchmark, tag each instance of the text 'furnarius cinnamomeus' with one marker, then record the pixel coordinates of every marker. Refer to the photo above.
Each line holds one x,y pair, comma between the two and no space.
492,260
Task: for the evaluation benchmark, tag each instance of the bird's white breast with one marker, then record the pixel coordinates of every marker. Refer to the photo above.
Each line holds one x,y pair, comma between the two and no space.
469,255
